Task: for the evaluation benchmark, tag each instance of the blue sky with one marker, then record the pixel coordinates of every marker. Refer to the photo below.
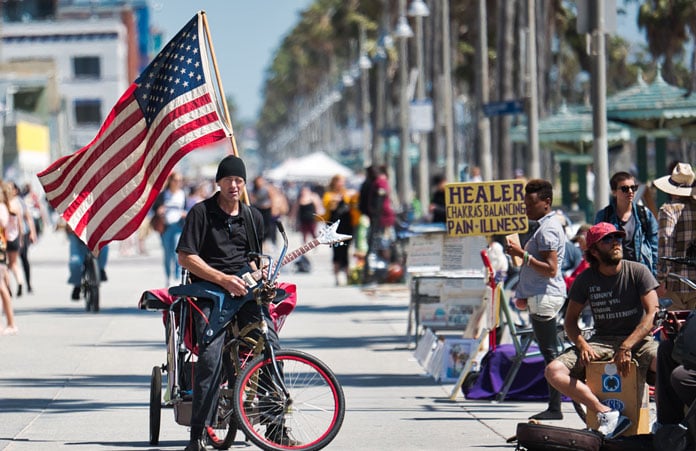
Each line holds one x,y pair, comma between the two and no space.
245,35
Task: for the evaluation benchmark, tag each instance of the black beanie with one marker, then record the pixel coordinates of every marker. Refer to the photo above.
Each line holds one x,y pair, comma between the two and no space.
231,165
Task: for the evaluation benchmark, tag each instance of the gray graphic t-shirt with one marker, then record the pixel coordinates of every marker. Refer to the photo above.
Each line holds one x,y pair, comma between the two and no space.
615,300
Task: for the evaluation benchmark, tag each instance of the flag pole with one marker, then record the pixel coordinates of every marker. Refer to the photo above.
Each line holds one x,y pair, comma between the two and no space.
228,119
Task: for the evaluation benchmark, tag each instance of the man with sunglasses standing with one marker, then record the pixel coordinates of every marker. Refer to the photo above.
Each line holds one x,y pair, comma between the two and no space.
623,300
635,220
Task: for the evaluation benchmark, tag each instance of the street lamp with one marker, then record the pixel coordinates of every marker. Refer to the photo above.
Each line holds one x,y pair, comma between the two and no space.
419,9
402,33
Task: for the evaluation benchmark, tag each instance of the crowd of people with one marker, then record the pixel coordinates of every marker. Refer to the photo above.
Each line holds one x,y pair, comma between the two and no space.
607,274
22,220
614,287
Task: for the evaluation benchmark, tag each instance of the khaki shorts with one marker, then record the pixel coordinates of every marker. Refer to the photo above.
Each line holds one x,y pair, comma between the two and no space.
605,347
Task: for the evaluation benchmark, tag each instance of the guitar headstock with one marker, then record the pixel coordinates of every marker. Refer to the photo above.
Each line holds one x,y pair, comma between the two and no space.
329,235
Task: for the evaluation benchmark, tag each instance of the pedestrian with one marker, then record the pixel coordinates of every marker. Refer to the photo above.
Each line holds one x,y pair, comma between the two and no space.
28,238
14,233
261,199
362,231
382,216
171,203
217,237
580,240
437,200
540,278
337,207
635,220
675,389
475,174
676,235
11,326
573,254
621,294
37,209
78,251
306,210
197,193
499,261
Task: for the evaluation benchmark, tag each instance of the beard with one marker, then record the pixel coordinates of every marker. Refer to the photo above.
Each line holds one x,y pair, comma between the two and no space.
611,257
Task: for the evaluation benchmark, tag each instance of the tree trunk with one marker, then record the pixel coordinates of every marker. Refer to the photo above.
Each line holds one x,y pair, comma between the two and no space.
505,64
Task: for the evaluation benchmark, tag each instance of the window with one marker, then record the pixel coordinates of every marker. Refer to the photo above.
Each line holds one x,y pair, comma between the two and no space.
87,67
88,112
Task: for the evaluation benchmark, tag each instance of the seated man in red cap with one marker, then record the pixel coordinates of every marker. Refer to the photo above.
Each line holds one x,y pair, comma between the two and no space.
621,294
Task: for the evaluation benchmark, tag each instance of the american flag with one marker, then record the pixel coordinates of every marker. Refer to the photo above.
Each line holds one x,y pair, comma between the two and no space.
104,190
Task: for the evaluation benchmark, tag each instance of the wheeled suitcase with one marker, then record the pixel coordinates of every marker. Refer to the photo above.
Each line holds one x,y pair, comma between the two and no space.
542,437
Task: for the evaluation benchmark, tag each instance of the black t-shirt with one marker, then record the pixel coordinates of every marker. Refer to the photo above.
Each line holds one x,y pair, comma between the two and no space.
219,239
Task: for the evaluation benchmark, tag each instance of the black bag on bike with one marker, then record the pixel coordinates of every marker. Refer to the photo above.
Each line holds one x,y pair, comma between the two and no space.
542,437
638,442
684,351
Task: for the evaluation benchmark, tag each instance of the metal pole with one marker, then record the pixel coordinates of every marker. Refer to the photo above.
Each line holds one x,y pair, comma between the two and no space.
599,109
447,89
365,65
423,169
534,167
405,187
484,125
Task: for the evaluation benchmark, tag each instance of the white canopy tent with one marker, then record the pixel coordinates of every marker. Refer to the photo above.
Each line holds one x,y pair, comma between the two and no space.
316,168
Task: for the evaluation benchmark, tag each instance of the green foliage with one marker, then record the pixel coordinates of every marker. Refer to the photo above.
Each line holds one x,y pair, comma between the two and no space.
325,42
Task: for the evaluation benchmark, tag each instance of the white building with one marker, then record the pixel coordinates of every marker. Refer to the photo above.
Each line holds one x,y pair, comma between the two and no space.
91,63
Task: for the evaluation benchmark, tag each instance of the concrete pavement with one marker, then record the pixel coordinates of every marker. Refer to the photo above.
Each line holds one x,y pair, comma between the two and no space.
78,380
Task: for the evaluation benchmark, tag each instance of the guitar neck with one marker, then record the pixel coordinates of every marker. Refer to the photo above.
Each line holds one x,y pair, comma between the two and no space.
256,275
299,252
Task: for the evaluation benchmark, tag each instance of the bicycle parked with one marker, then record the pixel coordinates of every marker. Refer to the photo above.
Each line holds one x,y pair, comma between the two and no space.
268,388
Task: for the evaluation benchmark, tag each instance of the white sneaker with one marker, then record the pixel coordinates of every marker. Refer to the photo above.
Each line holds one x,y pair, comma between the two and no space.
612,423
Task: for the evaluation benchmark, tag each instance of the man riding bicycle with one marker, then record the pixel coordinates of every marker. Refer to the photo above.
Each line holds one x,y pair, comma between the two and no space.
218,235
78,252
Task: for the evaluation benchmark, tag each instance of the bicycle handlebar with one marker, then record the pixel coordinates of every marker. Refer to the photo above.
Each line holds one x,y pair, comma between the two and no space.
682,279
681,261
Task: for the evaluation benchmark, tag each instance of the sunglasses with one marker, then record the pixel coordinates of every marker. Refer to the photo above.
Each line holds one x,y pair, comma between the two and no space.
626,188
611,239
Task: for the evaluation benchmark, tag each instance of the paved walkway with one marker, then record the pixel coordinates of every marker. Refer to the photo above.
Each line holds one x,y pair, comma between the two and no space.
78,380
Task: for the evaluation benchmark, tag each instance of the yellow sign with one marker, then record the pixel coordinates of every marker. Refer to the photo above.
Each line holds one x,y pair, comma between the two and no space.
485,208
32,138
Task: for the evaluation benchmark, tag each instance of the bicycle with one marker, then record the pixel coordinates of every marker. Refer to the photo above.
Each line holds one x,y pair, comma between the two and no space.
89,282
286,399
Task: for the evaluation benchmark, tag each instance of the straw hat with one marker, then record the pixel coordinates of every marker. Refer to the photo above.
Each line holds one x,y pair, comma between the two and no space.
680,183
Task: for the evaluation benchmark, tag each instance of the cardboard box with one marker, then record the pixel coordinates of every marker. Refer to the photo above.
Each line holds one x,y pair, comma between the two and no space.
627,394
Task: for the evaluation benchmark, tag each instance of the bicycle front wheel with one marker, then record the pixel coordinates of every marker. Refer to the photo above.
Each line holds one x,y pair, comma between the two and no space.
308,419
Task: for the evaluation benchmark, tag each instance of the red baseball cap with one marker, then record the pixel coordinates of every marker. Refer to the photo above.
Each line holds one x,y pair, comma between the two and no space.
599,231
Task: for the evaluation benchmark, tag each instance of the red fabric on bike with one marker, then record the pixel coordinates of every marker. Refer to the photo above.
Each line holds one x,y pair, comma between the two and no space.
281,310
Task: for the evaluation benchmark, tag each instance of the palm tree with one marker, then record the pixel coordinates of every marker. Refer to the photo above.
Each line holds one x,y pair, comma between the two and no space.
665,23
